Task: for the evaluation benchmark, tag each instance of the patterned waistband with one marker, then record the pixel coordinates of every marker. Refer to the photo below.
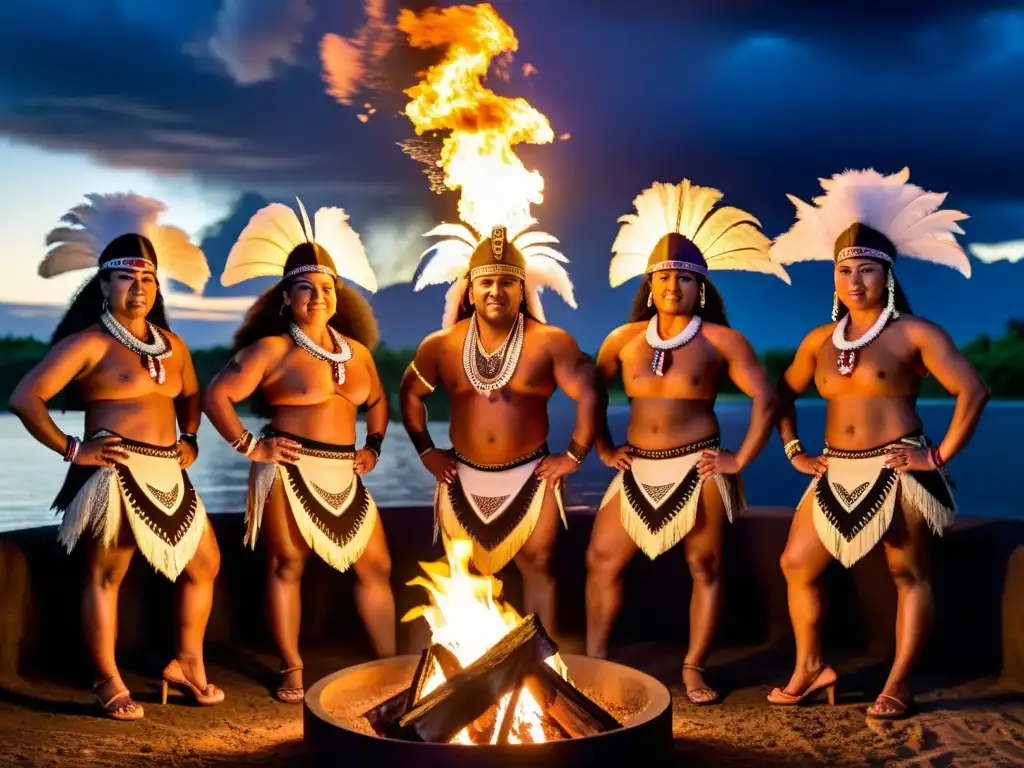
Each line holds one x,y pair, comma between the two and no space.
682,450
538,453
137,446
913,438
314,448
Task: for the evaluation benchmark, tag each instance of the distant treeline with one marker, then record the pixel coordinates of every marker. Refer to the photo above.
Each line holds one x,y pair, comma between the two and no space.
1000,361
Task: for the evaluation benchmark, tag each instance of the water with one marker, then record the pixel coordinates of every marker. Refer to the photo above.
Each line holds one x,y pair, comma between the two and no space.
31,475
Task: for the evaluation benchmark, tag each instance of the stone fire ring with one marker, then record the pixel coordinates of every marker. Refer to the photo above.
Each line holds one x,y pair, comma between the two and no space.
644,739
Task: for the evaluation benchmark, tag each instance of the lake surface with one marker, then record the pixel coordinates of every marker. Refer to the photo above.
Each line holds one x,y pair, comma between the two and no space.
31,475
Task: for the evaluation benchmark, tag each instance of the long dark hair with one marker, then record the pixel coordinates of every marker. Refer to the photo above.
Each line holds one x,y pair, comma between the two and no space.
713,310
84,311
898,296
269,316
466,309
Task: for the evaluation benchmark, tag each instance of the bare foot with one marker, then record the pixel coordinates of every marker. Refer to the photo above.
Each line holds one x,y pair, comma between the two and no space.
192,669
191,673
697,691
801,679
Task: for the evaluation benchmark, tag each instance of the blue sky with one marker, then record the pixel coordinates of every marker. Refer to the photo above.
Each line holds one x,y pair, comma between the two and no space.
197,101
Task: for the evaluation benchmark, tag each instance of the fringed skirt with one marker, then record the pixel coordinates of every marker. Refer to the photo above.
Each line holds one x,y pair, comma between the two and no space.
333,511
856,497
164,511
659,495
496,506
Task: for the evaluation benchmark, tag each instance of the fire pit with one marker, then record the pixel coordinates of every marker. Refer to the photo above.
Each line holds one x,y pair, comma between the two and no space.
335,729
490,690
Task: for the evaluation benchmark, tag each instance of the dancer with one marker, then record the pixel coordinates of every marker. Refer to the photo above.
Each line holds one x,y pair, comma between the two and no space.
879,478
500,364
303,351
135,382
671,355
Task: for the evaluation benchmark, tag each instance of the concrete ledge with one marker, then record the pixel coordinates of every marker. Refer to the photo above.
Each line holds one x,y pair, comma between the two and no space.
978,577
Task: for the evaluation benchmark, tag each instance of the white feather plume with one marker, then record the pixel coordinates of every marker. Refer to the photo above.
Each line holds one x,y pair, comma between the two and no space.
906,214
92,226
275,230
447,261
727,237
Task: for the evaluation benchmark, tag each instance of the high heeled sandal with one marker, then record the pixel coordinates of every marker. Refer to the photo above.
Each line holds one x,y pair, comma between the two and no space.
128,709
291,695
898,712
173,676
825,680
700,702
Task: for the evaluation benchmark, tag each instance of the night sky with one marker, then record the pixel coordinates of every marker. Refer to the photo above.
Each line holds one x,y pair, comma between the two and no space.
756,99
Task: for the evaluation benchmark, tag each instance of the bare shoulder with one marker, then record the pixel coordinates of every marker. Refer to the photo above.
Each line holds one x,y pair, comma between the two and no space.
433,343
550,336
723,337
922,332
177,343
87,342
624,334
814,340
269,349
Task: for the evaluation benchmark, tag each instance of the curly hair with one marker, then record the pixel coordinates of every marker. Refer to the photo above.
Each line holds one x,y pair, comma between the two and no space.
899,297
83,312
268,316
713,310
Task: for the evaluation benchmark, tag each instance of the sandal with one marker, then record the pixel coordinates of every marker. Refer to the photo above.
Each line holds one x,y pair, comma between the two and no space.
173,675
291,695
899,712
710,695
826,679
128,709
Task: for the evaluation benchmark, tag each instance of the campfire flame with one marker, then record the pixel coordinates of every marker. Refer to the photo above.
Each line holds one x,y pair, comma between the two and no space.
477,155
467,617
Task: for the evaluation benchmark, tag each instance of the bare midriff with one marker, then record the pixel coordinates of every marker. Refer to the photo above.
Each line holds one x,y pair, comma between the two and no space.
660,423
329,421
493,431
855,423
147,419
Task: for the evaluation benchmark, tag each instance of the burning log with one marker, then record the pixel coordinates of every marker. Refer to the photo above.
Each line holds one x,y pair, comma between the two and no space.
465,697
574,712
384,717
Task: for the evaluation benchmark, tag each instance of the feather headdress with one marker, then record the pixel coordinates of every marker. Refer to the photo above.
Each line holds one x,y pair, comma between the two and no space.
677,226
276,243
864,214
121,231
464,255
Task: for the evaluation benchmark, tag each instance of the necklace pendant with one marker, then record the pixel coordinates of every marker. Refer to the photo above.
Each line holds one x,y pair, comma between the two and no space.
338,371
847,362
658,363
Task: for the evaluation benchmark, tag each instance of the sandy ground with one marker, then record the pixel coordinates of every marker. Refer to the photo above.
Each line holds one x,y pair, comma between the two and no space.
972,723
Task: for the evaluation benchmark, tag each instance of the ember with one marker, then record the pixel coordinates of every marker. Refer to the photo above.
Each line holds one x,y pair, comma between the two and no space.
490,676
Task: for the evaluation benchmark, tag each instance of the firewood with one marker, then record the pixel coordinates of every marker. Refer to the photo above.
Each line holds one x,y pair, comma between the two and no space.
383,718
440,715
577,714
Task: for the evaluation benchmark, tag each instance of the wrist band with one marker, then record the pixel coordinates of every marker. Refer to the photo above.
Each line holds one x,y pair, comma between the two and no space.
793,448
577,452
374,441
245,443
71,451
937,458
421,442
189,437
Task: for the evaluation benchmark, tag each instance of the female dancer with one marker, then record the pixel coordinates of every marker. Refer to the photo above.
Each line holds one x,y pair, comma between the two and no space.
135,381
304,345
878,479
671,355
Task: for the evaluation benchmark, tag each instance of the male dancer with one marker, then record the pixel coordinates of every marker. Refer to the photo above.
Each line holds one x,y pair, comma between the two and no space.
500,364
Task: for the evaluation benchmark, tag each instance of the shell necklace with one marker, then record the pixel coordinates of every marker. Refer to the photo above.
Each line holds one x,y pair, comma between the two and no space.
662,346
152,354
336,359
847,360
498,366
